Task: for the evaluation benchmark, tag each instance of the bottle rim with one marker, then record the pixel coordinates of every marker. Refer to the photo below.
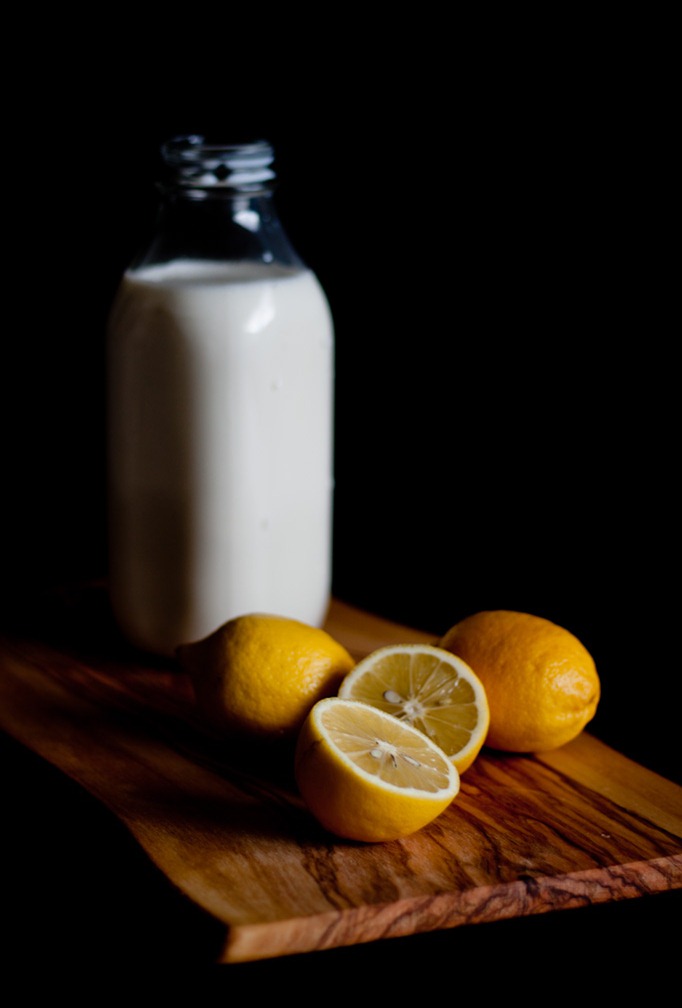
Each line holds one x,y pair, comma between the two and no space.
197,161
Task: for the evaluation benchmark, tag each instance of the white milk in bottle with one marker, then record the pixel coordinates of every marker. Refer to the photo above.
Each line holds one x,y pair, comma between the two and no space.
220,372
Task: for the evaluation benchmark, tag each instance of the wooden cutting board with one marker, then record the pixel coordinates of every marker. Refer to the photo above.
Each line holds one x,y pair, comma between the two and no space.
583,824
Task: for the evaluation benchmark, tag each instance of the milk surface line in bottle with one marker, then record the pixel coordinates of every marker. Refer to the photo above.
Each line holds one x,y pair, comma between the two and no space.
220,378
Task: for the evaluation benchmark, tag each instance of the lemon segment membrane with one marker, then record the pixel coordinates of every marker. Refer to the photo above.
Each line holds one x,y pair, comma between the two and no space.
401,761
366,776
428,688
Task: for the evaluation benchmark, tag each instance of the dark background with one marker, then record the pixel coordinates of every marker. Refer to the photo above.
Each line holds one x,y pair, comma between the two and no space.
489,209
491,229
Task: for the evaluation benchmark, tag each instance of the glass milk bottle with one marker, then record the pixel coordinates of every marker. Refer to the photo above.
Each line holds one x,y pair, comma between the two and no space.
220,406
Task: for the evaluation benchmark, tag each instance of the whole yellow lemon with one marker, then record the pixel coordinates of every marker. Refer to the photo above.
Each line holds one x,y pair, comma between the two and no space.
259,674
540,680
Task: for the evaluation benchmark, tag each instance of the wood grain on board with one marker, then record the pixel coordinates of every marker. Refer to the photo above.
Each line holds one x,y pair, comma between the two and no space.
582,824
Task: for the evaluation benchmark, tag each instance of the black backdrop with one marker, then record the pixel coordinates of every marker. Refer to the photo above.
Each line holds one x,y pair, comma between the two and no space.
492,243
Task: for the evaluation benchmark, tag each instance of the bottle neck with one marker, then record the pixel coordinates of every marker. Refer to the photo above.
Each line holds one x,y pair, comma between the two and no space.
216,204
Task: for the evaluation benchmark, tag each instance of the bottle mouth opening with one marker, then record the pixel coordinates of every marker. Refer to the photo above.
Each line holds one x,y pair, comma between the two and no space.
195,160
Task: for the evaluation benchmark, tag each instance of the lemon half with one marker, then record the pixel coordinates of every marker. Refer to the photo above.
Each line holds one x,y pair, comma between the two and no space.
365,775
428,688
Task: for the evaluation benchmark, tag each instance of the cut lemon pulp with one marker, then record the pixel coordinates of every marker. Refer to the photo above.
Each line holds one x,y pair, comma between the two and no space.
429,688
366,776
